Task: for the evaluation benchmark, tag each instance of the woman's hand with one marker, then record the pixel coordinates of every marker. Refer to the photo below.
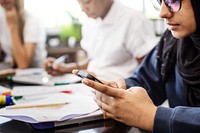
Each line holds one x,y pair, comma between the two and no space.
132,107
54,69
58,69
118,84
12,17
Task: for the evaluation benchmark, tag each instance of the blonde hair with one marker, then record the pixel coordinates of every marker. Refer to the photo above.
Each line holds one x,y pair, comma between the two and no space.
19,5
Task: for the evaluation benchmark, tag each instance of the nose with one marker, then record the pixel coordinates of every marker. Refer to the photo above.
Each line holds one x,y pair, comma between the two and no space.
164,11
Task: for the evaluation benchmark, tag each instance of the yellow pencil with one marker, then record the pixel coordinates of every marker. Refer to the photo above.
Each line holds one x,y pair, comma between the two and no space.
35,106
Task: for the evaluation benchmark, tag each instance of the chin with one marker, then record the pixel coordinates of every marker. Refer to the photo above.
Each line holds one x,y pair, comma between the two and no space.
179,35
176,35
93,17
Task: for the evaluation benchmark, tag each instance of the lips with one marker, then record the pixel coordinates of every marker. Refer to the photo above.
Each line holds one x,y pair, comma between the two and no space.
172,26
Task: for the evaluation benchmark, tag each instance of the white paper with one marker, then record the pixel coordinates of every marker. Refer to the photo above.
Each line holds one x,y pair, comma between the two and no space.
40,77
36,90
78,105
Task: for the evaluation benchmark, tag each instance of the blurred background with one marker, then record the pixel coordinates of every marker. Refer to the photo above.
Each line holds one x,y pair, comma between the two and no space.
63,18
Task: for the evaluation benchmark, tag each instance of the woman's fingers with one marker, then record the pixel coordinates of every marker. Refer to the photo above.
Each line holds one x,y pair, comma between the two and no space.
105,107
48,63
121,84
110,91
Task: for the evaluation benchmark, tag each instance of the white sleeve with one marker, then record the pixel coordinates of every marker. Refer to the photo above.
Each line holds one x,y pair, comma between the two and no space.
84,31
34,32
141,37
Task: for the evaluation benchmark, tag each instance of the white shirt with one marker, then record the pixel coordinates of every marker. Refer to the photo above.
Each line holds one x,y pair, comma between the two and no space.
114,43
33,33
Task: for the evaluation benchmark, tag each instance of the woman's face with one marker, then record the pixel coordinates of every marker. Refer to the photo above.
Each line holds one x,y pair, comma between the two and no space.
93,8
181,23
7,4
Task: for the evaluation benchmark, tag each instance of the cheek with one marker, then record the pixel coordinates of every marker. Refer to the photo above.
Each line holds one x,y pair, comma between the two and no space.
186,28
188,21
189,26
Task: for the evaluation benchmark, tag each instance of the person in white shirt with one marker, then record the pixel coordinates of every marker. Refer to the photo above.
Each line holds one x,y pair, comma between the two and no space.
22,37
115,38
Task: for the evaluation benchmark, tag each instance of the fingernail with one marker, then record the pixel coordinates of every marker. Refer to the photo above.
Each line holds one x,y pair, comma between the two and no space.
85,81
54,66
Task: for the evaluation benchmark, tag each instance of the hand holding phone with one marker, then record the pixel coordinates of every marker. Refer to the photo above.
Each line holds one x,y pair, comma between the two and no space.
84,74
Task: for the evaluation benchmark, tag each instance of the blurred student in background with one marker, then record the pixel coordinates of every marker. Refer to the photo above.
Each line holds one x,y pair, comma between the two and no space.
115,38
22,38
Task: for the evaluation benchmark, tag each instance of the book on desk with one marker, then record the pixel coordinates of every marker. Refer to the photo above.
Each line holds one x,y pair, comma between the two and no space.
80,106
38,76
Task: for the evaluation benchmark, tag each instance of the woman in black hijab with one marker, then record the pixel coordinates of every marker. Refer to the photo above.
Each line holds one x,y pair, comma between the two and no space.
170,71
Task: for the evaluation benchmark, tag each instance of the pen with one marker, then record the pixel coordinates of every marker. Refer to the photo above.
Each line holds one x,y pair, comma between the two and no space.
59,60
35,106
57,84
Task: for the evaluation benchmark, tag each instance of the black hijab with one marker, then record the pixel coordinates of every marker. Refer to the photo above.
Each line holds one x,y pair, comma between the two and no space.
188,58
186,52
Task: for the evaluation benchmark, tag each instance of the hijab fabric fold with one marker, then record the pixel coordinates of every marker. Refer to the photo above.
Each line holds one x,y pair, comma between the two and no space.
186,53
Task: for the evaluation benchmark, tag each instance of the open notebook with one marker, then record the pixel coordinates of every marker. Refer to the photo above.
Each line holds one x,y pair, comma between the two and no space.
79,108
39,76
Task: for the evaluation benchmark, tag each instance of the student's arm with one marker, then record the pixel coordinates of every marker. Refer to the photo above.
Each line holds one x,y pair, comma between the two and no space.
135,108
22,52
59,69
177,120
67,68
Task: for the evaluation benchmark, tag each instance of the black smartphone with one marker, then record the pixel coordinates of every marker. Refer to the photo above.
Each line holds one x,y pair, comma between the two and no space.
84,74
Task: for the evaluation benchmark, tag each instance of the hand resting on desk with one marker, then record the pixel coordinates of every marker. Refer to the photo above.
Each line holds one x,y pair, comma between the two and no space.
57,69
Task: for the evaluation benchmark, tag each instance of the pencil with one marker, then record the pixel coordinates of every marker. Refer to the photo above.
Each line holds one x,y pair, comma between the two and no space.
35,106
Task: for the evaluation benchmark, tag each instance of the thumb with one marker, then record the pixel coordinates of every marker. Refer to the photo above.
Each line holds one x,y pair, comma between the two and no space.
135,88
121,83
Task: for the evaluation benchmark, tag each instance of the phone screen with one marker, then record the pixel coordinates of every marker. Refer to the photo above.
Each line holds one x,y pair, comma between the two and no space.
84,74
